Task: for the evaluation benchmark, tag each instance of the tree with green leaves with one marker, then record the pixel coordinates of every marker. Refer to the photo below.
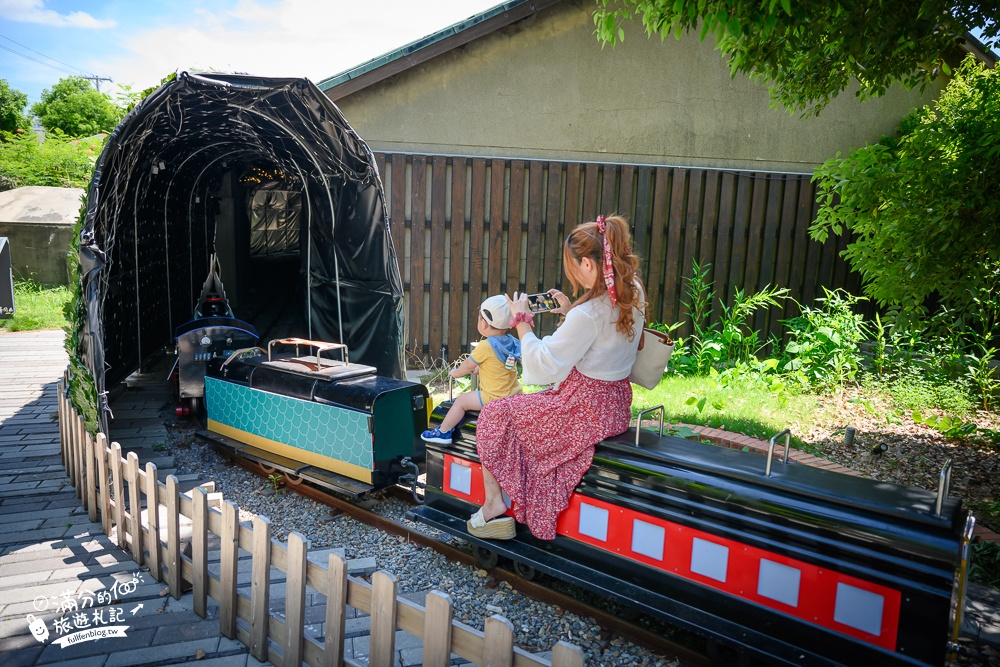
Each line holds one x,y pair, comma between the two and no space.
74,107
808,51
924,207
12,104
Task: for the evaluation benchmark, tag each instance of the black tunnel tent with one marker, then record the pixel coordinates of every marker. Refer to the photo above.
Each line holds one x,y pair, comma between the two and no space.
266,173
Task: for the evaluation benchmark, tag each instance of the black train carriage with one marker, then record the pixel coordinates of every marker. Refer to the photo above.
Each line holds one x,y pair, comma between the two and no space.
801,566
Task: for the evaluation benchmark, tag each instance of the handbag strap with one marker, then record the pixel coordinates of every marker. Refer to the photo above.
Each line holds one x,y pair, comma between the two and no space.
645,316
664,337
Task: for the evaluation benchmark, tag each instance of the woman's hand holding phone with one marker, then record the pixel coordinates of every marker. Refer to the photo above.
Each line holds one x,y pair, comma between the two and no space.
562,300
552,301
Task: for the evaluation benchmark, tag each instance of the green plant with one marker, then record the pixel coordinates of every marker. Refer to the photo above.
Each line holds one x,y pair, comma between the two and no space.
880,355
922,207
699,293
12,104
277,480
983,375
824,341
951,426
726,341
915,389
738,342
59,161
985,563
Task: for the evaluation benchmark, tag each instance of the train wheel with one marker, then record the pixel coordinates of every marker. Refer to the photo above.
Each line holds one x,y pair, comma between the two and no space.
486,559
526,572
197,406
294,480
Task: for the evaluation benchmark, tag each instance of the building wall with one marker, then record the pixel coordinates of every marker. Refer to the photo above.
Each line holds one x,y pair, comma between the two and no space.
545,89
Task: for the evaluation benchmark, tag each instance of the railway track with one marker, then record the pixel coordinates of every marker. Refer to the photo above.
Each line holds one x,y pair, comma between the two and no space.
611,623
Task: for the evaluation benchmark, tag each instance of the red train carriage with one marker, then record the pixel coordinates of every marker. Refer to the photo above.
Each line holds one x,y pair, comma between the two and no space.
801,566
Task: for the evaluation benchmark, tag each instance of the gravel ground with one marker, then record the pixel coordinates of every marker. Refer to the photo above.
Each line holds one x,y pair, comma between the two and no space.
475,594
915,454
914,457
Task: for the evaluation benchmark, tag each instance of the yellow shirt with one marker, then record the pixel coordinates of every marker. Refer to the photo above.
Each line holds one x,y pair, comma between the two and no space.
495,380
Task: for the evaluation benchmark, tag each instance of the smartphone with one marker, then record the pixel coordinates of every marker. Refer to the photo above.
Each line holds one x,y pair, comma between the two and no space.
538,303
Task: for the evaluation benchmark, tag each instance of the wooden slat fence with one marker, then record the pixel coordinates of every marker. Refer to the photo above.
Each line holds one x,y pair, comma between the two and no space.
116,489
468,227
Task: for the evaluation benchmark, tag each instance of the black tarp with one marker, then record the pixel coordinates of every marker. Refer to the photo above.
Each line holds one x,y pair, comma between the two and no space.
153,207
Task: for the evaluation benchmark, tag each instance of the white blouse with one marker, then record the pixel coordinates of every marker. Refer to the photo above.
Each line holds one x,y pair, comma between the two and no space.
588,340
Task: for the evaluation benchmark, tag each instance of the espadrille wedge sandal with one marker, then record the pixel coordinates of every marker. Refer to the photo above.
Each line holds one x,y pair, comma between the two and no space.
500,528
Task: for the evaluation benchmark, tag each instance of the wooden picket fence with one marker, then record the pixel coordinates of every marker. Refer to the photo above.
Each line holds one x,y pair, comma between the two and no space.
113,487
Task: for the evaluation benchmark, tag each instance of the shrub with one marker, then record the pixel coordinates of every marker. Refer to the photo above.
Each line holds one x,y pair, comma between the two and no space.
824,341
58,161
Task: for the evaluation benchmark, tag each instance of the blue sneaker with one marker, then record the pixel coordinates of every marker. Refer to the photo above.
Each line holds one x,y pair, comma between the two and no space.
437,436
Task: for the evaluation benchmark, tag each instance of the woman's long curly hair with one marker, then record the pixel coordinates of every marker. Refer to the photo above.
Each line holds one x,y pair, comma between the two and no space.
586,240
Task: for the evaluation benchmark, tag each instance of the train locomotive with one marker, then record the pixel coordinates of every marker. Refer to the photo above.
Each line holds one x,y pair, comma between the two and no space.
788,563
335,423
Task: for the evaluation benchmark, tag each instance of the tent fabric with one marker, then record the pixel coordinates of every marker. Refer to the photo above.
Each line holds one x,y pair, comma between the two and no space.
150,225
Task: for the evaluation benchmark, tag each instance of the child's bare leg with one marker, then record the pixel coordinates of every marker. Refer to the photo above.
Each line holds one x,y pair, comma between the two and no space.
462,404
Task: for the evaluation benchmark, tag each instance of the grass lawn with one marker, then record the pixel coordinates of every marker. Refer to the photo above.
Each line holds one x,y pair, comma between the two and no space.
37,307
752,411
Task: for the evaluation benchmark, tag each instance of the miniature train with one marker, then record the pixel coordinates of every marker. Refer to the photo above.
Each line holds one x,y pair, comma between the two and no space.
334,423
789,563
794,565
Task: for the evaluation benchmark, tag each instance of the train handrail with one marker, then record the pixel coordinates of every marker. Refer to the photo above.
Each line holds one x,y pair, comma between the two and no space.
944,486
320,346
638,421
770,450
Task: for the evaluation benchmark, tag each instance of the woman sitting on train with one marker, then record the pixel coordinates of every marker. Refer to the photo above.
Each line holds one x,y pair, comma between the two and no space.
537,447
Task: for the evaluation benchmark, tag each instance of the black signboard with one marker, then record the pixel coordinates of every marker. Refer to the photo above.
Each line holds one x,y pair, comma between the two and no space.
6,281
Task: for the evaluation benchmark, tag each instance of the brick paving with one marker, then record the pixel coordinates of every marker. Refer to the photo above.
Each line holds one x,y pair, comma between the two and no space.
52,557
51,554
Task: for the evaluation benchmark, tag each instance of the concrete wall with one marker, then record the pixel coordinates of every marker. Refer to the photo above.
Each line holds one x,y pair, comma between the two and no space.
38,250
39,221
544,88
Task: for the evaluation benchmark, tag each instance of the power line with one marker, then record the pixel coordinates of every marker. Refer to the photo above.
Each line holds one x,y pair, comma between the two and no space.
23,46
40,62
93,78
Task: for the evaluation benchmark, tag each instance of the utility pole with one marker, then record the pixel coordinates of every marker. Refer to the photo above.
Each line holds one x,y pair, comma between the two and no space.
97,80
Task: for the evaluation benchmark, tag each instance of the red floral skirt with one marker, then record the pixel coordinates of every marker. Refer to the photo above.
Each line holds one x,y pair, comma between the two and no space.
538,446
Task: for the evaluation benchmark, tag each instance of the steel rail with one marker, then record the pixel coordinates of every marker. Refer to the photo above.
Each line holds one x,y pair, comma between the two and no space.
610,623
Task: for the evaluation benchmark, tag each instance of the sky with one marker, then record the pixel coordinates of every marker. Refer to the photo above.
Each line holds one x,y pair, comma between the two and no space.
138,42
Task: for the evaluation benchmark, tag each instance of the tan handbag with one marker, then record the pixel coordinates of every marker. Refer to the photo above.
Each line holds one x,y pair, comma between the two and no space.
655,348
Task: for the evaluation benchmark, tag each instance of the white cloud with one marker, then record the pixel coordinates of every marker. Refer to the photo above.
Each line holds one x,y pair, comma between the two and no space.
292,38
33,11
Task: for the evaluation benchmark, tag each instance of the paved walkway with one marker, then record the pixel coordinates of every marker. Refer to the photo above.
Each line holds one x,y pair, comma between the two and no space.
52,557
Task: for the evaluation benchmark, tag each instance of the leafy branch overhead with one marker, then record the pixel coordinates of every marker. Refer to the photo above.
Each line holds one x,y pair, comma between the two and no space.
923,207
809,51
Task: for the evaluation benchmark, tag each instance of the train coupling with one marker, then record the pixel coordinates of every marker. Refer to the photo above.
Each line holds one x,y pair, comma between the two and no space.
412,479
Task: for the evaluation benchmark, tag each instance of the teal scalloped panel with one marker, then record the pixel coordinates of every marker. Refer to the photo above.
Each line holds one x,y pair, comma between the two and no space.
323,429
